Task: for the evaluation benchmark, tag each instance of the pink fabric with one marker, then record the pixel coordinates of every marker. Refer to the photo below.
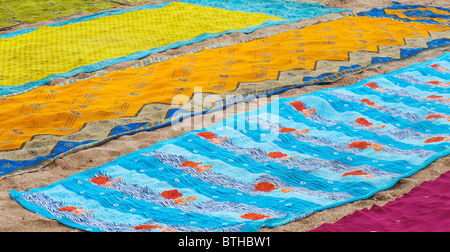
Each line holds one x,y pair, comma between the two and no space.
426,208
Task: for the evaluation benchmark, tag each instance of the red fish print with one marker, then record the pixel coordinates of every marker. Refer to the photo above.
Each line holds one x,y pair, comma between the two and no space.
434,116
371,103
200,168
357,173
437,117
364,144
104,181
437,139
211,137
268,187
277,154
75,210
363,121
150,227
284,130
440,97
374,86
255,216
438,83
300,107
177,197
280,155
299,132
439,68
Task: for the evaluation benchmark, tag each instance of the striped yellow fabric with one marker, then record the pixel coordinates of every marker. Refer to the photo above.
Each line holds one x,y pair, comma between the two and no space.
49,50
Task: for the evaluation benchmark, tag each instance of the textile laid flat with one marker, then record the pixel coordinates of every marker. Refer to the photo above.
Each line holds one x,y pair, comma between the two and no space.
34,57
412,13
266,167
425,208
14,12
49,122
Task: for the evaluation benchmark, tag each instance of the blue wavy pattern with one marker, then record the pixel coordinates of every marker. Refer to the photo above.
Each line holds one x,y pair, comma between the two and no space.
267,167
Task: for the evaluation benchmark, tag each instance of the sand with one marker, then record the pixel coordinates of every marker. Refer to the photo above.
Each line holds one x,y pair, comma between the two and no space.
15,218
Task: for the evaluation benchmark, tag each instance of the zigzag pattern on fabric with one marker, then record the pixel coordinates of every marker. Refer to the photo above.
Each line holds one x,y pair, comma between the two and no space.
424,209
18,12
290,159
76,46
91,116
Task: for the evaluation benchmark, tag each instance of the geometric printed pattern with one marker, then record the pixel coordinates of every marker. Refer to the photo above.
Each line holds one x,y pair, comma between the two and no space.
86,44
66,47
84,115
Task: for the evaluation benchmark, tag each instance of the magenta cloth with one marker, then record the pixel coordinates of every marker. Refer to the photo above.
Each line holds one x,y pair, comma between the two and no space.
426,208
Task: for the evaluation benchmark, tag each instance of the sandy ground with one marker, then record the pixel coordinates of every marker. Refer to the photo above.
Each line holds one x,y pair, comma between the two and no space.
15,218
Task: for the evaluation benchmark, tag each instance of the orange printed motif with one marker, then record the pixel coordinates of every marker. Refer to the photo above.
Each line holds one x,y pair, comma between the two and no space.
104,181
255,216
211,137
357,173
268,187
438,83
150,227
374,86
200,168
300,107
371,103
363,121
440,97
177,197
439,68
364,144
437,117
75,210
437,139
277,154
299,132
